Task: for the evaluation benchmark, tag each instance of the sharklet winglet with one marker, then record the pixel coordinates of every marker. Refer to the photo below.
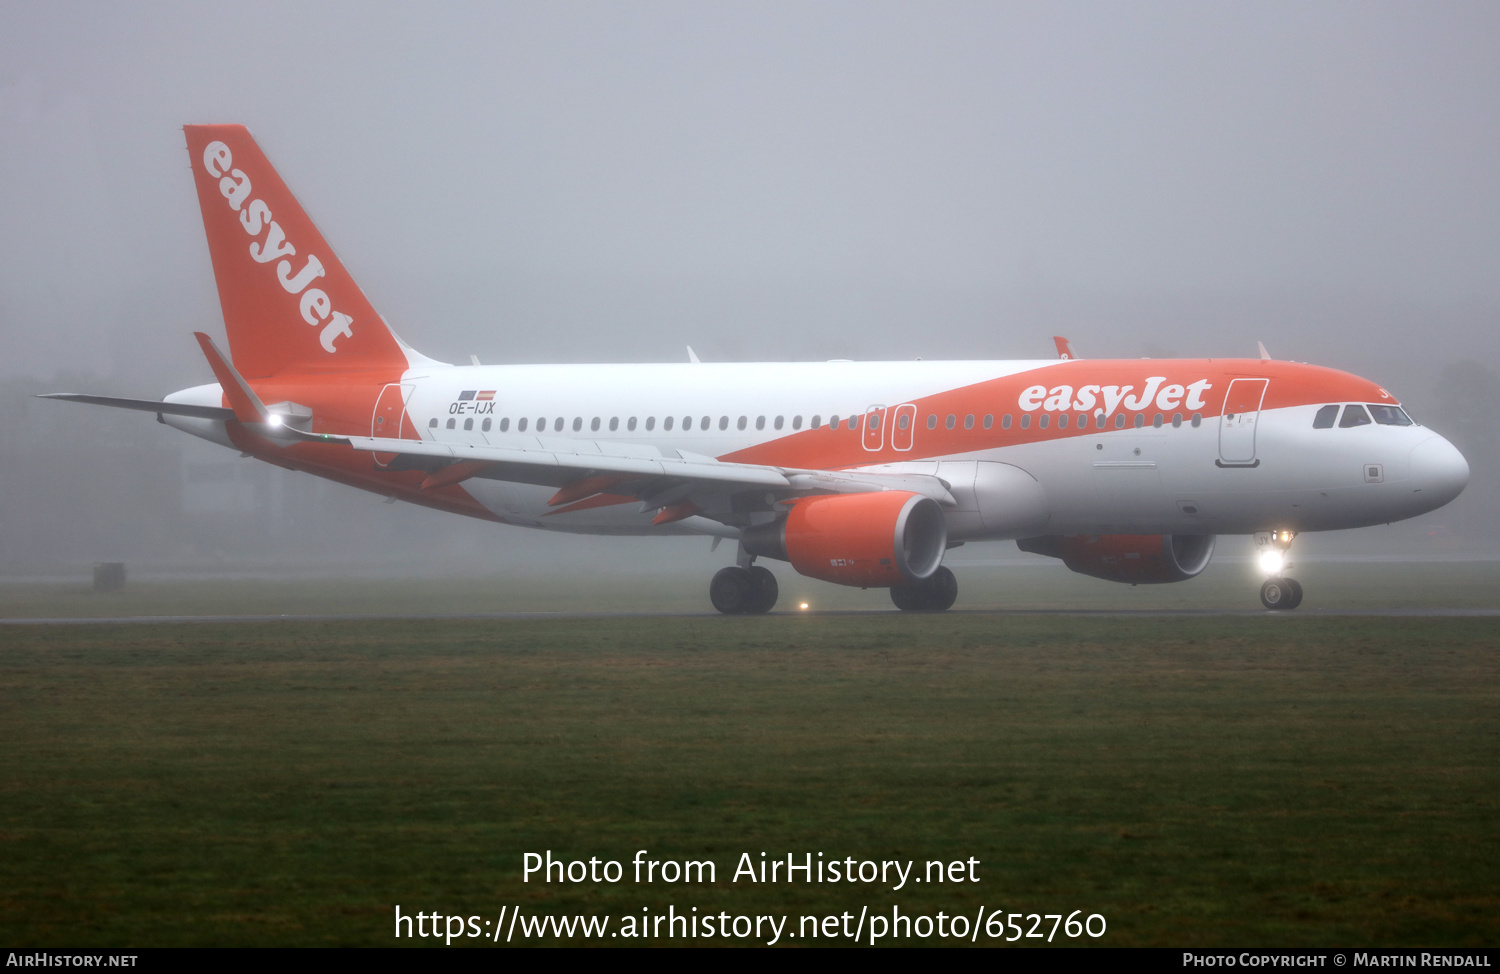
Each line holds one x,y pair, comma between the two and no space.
242,399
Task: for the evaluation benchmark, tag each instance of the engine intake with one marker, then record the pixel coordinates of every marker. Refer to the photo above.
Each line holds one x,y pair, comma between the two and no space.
871,540
1140,559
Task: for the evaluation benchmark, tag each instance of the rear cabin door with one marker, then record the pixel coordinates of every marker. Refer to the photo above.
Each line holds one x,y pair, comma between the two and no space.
390,420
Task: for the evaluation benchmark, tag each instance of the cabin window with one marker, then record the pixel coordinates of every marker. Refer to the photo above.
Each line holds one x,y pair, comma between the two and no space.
614,423
451,423
742,423
1099,421
468,424
1041,421
1390,415
594,425
1156,421
1119,421
989,420
485,426
969,421
1354,416
1005,421
432,423
577,423
902,422
723,422
1177,421
874,422
708,421
932,421
1025,421
797,422
817,421
521,425
950,422
687,423
1326,416
854,422
1140,420
1197,420
760,422
1062,421
666,424
833,422
505,425
777,424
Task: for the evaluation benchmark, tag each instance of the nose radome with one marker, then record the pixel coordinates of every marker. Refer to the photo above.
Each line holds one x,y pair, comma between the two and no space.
1439,470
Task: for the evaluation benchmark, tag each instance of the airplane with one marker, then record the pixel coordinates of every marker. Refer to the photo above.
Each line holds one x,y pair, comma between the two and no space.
857,473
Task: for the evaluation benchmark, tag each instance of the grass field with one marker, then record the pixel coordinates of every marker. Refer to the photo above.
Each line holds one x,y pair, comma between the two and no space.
1195,780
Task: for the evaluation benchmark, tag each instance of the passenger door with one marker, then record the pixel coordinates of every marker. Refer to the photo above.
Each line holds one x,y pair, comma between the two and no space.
1237,423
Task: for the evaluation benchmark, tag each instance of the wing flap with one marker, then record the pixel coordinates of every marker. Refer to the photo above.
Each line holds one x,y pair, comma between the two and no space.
590,462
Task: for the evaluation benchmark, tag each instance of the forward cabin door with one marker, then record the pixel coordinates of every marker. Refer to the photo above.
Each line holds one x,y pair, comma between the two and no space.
390,419
1237,422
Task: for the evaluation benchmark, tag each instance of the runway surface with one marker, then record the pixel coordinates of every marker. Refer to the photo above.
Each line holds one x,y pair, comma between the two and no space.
503,616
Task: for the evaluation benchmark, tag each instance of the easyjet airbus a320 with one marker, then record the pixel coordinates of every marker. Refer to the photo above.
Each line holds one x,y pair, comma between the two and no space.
857,473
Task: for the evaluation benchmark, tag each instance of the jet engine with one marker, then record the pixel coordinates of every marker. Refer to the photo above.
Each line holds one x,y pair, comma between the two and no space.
872,540
1140,559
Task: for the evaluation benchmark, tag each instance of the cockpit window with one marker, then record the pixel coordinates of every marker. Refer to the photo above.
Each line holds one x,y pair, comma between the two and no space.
1326,416
1354,416
1390,415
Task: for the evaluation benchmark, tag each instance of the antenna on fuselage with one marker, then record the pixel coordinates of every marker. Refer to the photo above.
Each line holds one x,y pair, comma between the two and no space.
693,356
1265,355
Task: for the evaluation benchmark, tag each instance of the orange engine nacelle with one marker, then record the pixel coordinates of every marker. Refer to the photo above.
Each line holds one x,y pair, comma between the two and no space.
1140,559
873,540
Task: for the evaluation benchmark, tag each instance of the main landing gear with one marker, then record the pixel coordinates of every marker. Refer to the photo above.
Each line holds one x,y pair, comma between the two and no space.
1277,592
935,593
743,591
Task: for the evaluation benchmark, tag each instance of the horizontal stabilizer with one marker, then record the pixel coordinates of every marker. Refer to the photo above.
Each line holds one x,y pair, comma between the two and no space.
147,405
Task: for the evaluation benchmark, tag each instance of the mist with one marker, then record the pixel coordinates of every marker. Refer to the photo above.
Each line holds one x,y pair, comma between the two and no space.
764,182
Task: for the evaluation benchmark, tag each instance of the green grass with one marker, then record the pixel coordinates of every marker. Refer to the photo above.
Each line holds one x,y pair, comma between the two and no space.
1198,781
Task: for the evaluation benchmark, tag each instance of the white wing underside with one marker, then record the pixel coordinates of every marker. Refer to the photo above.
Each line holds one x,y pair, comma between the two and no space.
651,474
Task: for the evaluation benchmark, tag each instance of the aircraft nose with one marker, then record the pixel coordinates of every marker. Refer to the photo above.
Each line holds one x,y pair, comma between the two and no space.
1439,470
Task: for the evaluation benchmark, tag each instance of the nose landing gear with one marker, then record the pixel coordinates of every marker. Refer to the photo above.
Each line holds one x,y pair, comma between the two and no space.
1277,592
1281,593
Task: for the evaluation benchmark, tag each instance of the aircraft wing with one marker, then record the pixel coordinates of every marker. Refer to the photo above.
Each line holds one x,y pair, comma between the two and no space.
665,479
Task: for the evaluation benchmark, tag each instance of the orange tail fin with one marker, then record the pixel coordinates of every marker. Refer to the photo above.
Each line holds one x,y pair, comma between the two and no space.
289,305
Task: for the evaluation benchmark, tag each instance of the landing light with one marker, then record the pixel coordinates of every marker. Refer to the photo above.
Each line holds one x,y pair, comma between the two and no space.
274,419
1271,562
803,606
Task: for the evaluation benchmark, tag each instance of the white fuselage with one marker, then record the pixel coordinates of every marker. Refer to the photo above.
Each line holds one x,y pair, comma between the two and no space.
1104,479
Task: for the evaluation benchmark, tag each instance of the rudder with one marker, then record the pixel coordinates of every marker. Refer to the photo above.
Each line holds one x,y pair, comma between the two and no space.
289,304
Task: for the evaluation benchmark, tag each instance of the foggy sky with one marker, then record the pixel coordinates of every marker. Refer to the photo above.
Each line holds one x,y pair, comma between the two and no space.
576,182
